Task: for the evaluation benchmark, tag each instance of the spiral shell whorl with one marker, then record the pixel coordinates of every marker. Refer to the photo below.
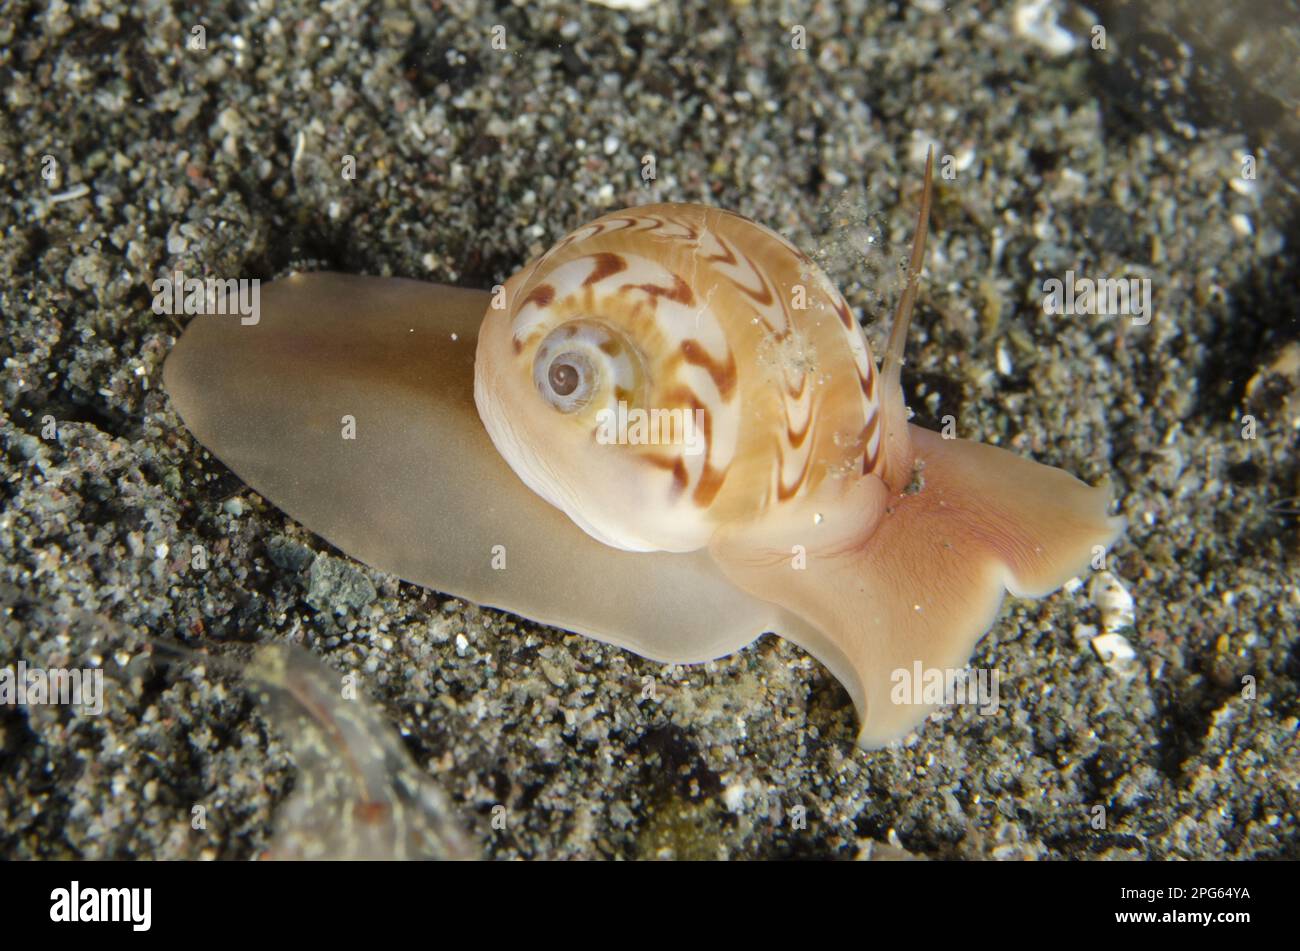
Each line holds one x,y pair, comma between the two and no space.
727,322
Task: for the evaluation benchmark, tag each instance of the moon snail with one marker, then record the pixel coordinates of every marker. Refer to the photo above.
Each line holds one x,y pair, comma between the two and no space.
761,476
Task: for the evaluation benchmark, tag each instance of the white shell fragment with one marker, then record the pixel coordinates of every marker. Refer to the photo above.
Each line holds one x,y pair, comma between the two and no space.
1116,652
1117,613
1113,601
625,4
1036,21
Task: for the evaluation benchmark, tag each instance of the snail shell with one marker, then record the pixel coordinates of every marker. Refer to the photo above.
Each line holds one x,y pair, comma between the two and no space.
676,312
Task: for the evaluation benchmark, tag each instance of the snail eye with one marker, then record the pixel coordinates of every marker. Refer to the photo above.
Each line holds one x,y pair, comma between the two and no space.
566,381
